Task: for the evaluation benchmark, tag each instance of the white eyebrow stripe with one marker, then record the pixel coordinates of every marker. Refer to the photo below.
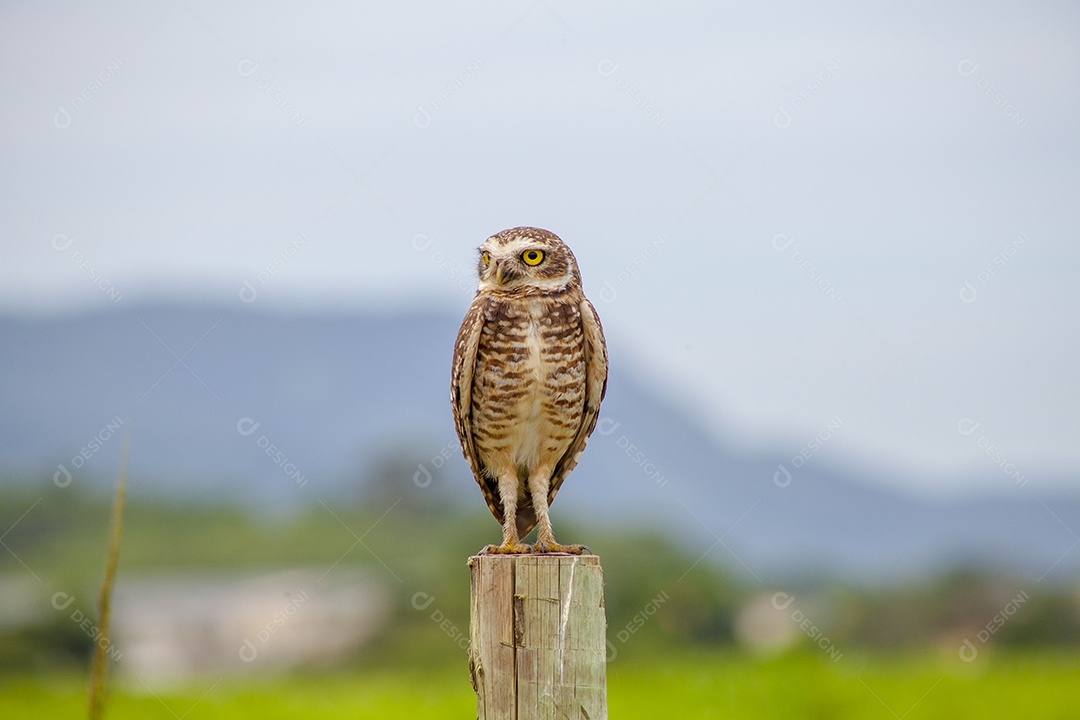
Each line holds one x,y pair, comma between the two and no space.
515,246
543,283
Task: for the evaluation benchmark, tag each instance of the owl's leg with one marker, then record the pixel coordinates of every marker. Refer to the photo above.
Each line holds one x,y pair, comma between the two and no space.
511,545
545,539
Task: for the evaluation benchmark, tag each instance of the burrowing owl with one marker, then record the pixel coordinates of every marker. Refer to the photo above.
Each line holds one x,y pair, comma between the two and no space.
530,370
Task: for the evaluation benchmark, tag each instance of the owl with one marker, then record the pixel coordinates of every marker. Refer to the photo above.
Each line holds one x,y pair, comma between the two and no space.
529,372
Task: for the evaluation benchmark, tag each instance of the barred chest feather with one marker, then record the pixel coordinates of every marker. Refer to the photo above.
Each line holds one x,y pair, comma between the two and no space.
529,382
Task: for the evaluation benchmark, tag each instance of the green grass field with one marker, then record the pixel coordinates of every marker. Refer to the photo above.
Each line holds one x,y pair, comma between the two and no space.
730,686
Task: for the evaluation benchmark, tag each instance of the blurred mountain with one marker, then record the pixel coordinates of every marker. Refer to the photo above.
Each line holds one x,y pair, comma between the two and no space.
281,411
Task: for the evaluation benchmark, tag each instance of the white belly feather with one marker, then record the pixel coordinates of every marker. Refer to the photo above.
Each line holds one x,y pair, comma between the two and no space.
532,410
532,427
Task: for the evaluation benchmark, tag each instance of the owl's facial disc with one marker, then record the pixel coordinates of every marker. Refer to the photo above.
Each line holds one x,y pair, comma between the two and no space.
515,262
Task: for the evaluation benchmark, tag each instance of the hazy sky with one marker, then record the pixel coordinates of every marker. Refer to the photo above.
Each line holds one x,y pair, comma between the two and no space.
851,215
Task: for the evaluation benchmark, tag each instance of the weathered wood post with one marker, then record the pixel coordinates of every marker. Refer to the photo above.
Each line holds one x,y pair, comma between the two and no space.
538,637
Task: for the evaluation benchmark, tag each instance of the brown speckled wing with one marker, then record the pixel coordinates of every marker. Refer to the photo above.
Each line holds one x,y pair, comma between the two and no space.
461,382
596,367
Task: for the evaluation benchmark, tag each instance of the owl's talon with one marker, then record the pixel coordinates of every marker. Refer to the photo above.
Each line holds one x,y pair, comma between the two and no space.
550,548
507,549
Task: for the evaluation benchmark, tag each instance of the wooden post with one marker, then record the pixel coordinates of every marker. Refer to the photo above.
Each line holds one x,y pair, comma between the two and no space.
538,637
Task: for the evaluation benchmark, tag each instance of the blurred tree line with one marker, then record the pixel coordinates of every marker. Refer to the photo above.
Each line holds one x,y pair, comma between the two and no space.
404,524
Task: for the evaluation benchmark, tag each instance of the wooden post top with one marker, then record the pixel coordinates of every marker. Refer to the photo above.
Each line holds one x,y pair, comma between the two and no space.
538,636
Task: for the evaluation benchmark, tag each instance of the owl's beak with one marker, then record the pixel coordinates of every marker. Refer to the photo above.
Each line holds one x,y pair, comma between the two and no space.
504,273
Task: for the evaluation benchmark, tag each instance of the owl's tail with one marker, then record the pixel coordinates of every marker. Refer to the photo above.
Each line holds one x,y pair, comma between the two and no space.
526,516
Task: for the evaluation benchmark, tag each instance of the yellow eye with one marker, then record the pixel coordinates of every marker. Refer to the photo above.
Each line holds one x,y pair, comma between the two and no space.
486,257
533,257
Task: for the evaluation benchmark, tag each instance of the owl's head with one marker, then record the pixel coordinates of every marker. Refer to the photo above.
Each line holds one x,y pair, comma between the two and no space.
524,259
